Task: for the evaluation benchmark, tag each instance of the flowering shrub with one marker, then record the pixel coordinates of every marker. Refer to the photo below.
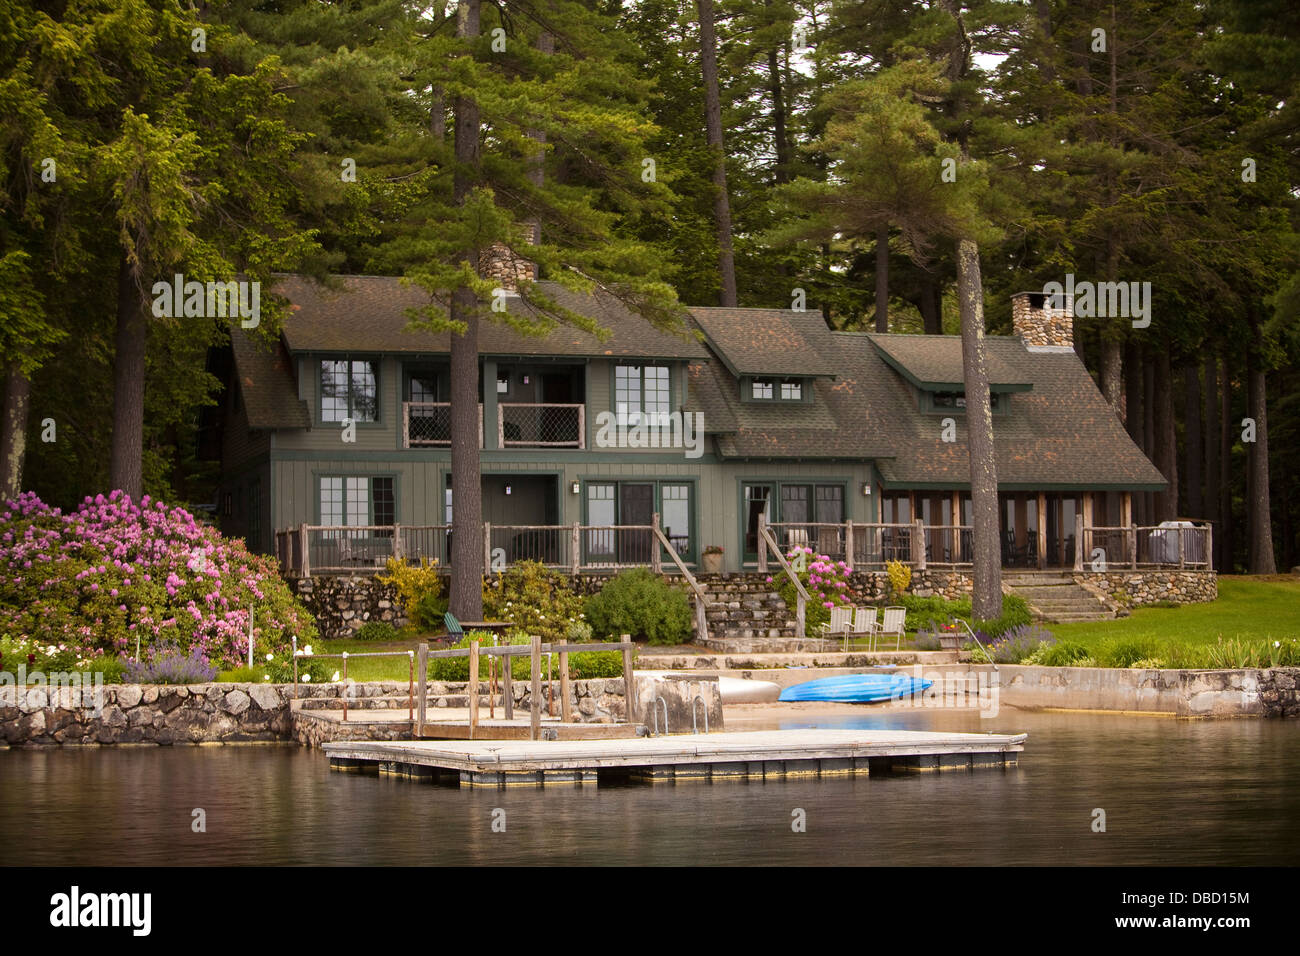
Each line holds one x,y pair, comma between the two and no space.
826,582
1014,646
900,577
419,591
534,598
168,664
115,572
278,668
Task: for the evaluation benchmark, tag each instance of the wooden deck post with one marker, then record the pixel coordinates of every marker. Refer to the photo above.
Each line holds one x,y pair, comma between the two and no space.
472,687
1209,547
507,689
629,682
305,548
656,559
918,547
487,548
1042,530
535,713
575,549
397,541
1126,519
423,664
1078,541
566,709
762,543
848,542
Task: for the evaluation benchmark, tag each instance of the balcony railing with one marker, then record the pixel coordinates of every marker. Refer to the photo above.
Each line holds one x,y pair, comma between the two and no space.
428,424
518,425
522,425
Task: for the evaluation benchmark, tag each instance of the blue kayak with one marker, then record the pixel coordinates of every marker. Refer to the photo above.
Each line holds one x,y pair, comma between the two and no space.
856,688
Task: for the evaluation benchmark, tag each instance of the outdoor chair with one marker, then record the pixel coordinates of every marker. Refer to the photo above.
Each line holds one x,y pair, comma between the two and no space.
828,541
796,538
864,624
840,622
894,621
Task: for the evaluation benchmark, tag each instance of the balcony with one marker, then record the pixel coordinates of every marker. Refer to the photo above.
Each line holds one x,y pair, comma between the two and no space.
518,425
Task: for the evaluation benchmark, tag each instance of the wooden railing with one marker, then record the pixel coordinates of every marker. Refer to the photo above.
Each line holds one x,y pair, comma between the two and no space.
701,595
428,424
541,425
1143,546
765,542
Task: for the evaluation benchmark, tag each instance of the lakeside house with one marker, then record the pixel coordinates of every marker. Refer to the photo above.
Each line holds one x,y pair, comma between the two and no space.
853,443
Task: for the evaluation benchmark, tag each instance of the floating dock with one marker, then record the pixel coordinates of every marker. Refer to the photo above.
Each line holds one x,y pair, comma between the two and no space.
730,756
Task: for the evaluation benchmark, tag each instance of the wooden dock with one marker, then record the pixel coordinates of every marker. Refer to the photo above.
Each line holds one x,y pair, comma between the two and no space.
731,756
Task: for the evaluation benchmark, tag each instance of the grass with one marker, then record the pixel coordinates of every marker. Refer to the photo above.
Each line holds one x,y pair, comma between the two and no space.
1248,609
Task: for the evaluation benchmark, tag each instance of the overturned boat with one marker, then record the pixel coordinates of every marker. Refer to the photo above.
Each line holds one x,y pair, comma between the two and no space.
856,688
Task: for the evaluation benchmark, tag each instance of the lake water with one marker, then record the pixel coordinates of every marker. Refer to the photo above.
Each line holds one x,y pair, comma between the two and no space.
1174,793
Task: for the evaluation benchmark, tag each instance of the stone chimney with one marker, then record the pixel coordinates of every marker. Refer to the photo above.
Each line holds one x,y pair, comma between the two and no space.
1040,327
499,263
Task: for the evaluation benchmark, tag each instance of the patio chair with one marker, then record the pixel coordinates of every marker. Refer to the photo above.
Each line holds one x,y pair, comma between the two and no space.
864,624
796,538
840,622
894,622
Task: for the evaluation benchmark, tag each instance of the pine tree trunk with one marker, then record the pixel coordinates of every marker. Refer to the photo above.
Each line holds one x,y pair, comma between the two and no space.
1225,470
713,125
1192,440
1112,373
1212,504
782,173
931,306
1135,415
126,463
882,279
1166,438
1149,430
1261,517
466,599
13,432
986,597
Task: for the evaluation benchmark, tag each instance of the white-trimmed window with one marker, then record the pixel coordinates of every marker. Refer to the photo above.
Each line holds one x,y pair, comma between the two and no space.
360,500
349,388
642,388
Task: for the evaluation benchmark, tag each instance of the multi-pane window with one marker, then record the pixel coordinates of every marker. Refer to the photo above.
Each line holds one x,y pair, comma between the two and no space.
600,511
348,389
770,389
761,388
675,502
791,391
642,388
356,501
944,400
424,387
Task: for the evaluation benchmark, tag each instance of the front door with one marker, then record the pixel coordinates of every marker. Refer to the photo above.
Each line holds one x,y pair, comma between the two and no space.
636,505
758,501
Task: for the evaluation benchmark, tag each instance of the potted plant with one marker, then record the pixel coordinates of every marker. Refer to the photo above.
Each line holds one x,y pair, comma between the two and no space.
711,559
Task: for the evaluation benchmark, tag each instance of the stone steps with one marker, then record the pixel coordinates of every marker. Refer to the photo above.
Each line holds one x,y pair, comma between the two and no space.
1054,597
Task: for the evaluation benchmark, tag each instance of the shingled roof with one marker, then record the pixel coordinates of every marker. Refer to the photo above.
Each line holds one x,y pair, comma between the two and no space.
369,314
934,362
266,383
763,341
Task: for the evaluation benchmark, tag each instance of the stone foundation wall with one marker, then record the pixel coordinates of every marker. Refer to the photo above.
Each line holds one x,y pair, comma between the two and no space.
341,605
1135,588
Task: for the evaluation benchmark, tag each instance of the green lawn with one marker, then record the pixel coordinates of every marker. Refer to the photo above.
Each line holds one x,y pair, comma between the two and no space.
1248,608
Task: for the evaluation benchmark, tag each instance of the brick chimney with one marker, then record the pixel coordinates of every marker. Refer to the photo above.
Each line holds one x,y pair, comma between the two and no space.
1040,327
498,262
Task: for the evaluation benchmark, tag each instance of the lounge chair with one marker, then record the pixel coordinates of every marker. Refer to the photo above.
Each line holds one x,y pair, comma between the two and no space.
864,624
840,623
894,621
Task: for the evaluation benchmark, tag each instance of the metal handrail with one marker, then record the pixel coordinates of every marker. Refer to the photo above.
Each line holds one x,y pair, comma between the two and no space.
655,710
703,703
966,624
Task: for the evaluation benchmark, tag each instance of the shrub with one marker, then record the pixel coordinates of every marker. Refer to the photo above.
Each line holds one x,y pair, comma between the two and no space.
278,668
643,605
168,664
1017,644
18,652
900,577
930,613
927,640
115,571
377,631
419,591
534,599
1015,613
579,632
588,664
457,668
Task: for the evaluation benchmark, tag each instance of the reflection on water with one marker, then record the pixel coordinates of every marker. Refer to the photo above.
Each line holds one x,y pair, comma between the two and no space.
1174,793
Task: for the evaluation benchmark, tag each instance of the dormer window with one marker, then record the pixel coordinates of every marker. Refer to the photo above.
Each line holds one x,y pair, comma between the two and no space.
948,401
774,390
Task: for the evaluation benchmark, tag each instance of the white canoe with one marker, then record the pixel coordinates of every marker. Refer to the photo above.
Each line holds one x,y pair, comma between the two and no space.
732,690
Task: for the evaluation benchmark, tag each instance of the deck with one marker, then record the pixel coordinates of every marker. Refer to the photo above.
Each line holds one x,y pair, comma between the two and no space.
744,755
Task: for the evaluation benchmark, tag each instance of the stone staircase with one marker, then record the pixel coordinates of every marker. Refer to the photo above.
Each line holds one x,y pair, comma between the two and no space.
742,610
1056,596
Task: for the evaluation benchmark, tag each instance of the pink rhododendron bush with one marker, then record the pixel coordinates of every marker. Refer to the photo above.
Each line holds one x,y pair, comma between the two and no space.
115,571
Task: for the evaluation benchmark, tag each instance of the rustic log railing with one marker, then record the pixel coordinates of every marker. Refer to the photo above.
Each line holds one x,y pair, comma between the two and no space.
701,595
534,649
767,541
1184,546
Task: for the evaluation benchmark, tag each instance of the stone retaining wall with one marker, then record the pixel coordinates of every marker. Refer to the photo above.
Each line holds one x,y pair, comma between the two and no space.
1135,588
341,605
229,713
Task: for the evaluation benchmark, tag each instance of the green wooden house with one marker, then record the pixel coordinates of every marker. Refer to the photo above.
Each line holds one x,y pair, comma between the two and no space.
335,441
